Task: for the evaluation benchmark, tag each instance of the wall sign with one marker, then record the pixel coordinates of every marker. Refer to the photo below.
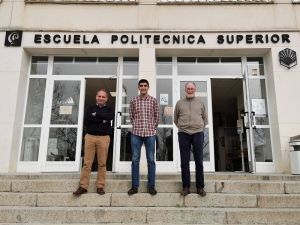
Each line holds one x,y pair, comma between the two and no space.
13,38
288,58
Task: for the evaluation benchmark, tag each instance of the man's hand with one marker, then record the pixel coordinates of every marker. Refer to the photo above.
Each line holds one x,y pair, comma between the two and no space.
93,114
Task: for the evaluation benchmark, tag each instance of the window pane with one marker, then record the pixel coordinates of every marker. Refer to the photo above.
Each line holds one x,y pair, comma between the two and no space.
35,101
130,90
39,65
30,144
85,66
165,100
262,145
164,66
65,102
258,99
255,66
62,144
131,66
125,150
164,144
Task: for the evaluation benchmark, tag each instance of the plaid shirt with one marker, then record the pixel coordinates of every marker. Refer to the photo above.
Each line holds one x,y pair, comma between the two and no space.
144,116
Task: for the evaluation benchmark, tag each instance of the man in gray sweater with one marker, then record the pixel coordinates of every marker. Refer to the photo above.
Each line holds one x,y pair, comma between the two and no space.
190,117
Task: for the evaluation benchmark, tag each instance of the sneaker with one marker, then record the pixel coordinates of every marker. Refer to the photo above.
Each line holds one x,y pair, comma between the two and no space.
185,191
80,191
201,192
100,191
133,191
152,191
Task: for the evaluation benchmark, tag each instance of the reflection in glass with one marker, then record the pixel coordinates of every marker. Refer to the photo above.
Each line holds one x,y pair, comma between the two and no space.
164,144
35,101
125,150
258,100
65,102
130,90
165,100
164,66
85,65
62,144
30,144
262,145
39,65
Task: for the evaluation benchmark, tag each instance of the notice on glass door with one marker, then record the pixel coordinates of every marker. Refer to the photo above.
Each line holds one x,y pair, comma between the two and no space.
65,110
164,99
259,107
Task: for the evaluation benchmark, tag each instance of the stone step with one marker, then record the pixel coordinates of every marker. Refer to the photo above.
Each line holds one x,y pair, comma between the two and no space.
159,176
162,186
142,215
146,200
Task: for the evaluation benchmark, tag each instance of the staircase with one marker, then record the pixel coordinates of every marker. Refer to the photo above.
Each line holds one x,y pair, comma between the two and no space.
232,198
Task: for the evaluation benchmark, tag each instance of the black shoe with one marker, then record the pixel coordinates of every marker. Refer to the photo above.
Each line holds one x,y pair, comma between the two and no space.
152,191
185,191
100,191
133,191
201,192
80,191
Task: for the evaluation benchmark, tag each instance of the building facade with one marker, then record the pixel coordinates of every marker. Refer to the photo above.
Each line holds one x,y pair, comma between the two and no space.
242,56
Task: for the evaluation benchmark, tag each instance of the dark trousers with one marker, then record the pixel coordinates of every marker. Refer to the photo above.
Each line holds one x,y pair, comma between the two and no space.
186,142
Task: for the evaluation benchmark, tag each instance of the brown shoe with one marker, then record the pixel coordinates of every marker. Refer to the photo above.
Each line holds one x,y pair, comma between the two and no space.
185,191
100,191
152,191
80,191
201,192
132,191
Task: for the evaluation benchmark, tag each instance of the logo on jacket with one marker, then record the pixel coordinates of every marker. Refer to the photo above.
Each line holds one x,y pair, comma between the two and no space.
13,38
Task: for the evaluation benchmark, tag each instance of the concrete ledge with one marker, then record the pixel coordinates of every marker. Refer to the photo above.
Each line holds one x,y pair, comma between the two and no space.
146,200
278,201
250,187
292,188
67,200
221,200
5,186
264,216
17,199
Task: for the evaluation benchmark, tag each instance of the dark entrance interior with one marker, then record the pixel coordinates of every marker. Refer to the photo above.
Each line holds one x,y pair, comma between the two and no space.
228,106
92,86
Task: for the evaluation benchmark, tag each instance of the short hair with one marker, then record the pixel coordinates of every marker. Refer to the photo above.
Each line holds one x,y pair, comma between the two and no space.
143,81
189,83
103,91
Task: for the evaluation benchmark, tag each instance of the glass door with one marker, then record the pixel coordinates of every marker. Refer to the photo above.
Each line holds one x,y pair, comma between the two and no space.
202,87
64,118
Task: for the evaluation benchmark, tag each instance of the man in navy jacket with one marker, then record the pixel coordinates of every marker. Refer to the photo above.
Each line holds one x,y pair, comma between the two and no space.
97,118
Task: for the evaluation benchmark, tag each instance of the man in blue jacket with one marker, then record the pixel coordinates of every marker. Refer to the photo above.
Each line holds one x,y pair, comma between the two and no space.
97,118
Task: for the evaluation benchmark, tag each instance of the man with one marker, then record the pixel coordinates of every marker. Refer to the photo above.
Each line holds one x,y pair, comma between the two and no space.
97,118
144,117
190,117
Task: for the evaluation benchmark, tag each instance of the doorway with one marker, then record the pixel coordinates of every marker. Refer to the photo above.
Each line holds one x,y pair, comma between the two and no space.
230,147
92,86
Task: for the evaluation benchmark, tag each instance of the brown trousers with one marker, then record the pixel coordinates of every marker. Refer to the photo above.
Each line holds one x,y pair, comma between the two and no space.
94,145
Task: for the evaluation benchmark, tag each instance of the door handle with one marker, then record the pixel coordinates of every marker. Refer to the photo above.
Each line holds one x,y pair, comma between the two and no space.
118,115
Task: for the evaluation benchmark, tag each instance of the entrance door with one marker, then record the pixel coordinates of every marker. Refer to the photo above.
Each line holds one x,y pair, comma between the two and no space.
63,133
202,87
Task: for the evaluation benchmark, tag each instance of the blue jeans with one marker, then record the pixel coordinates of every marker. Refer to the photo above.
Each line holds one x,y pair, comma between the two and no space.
186,141
136,145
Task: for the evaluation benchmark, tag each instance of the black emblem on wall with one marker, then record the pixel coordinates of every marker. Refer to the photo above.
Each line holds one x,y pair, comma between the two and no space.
288,58
13,38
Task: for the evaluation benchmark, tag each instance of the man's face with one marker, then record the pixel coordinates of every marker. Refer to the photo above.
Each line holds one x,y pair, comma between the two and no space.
190,90
101,98
143,88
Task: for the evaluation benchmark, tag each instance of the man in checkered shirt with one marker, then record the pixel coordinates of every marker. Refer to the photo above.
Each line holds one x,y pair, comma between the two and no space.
144,117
